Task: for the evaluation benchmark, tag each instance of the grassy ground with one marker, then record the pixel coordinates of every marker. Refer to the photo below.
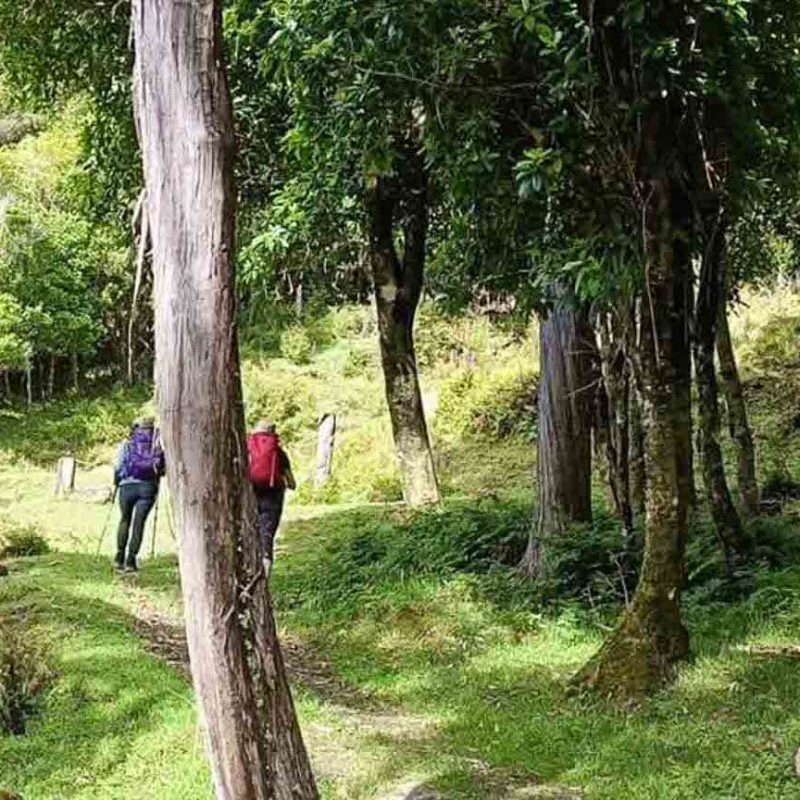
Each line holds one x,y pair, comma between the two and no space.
417,655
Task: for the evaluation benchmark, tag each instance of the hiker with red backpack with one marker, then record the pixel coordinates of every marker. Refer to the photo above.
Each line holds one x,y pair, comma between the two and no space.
138,469
270,472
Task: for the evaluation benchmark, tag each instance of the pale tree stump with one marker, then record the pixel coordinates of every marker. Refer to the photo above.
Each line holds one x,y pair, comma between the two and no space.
326,438
65,476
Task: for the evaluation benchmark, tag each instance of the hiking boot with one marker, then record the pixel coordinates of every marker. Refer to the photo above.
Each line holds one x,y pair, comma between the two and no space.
119,563
131,565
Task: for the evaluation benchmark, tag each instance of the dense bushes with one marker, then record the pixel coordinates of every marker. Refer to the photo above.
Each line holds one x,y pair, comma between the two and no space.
373,552
497,403
17,541
25,672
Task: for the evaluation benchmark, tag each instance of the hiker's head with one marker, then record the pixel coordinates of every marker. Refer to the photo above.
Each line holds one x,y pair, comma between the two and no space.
146,423
262,426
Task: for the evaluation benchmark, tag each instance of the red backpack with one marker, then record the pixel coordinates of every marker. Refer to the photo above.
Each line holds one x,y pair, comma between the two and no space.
264,452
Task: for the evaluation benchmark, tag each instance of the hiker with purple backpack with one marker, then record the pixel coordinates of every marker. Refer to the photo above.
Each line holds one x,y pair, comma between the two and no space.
138,469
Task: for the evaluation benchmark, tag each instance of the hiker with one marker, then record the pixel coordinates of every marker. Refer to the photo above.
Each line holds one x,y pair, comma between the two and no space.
138,469
270,473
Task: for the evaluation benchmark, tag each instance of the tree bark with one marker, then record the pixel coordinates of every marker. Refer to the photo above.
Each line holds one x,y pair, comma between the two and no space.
29,382
186,135
617,395
75,371
651,638
738,423
398,288
566,354
710,296
326,440
51,377
636,445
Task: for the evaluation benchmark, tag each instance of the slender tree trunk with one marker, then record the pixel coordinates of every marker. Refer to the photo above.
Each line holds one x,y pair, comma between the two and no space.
186,135
737,417
566,354
51,377
141,231
650,638
398,287
710,296
75,370
617,385
29,382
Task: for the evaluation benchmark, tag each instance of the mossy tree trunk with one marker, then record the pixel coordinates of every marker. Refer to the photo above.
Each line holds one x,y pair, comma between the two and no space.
186,135
651,638
738,423
566,398
710,296
398,289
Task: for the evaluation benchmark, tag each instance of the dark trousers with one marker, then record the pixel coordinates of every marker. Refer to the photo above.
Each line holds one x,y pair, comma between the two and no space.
136,501
270,510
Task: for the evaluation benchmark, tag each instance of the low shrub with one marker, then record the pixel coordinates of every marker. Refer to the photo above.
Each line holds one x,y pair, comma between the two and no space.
25,672
19,541
296,345
500,403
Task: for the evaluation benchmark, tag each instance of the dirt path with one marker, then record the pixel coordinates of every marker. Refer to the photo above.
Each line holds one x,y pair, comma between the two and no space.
353,714
357,734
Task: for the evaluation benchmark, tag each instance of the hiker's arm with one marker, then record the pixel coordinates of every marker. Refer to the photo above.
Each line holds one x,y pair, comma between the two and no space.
286,469
118,462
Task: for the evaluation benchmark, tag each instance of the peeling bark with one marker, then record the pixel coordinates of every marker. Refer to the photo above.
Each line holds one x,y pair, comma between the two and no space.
566,398
398,288
186,136
738,423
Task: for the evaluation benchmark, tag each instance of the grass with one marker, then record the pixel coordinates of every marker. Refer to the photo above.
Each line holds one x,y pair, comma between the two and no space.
437,664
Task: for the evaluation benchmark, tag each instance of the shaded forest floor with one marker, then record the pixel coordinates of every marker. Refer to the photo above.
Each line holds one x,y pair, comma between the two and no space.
423,665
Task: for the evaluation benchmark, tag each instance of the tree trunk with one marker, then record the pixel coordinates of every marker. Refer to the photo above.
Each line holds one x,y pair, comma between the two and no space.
186,135
74,368
737,417
51,378
326,439
617,385
141,231
29,382
710,296
398,287
650,638
566,352
636,445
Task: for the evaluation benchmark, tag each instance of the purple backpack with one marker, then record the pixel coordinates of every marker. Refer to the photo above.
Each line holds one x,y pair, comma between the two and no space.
144,459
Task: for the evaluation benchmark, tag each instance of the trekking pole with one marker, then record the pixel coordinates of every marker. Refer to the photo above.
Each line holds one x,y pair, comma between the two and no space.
107,520
155,527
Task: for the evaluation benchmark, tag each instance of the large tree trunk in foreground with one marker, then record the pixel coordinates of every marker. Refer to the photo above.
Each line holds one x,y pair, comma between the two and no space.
710,295
566,398
650,637
185,128
737,416
398,288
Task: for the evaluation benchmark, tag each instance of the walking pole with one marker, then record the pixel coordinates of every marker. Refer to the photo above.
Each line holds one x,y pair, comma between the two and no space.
155,528
107,520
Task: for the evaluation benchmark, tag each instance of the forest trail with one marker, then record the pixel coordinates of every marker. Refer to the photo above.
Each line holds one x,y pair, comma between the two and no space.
352,715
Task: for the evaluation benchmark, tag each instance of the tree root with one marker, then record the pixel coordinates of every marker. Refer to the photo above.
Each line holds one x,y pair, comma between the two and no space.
642,653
